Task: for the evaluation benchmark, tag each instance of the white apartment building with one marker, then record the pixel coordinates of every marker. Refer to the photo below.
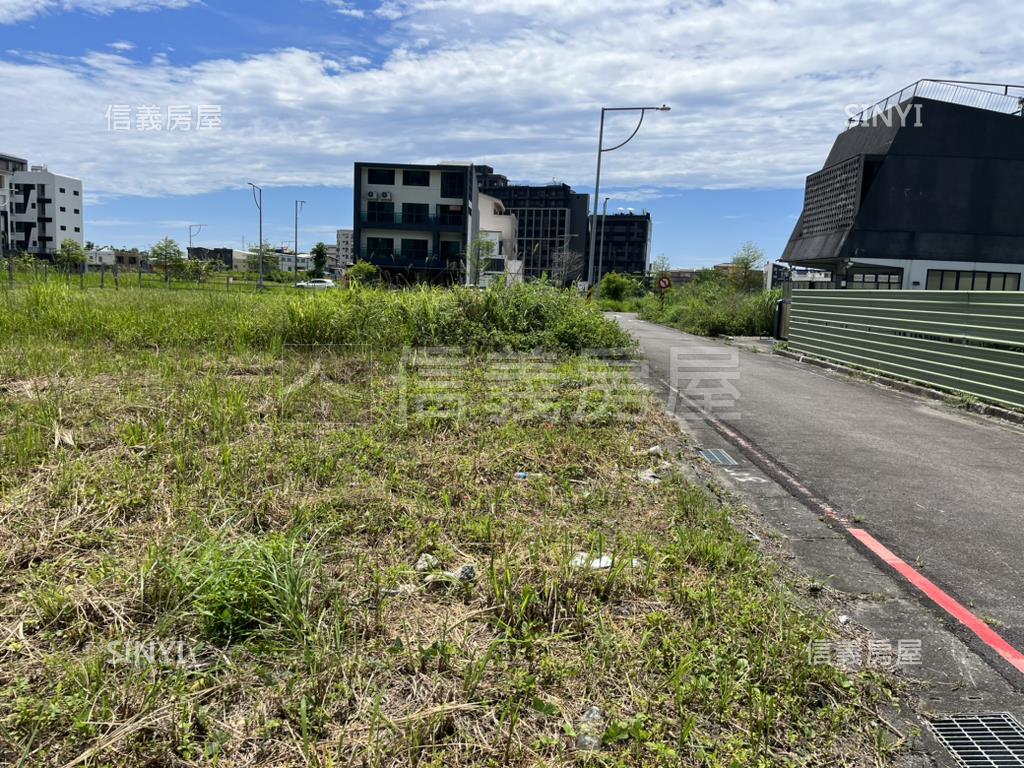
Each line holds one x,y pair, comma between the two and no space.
345,254
46,209
415,222
501,228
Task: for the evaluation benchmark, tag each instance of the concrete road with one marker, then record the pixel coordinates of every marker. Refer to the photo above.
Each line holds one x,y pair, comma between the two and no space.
941,488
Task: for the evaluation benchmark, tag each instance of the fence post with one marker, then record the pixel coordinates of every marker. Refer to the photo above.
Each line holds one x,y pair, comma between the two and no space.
103,275
117,285
10,269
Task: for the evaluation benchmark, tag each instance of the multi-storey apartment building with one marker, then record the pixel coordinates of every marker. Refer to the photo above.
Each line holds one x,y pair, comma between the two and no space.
415,222
551,220
46,209
9,166
344,252
623,243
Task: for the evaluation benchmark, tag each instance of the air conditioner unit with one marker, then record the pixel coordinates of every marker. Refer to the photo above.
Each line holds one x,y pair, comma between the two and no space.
371,195
385,195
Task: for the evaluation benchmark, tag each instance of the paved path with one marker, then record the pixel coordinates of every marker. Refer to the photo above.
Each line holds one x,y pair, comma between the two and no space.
943,489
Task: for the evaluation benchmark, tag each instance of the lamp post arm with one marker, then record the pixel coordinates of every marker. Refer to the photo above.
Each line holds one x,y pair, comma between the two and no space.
634,133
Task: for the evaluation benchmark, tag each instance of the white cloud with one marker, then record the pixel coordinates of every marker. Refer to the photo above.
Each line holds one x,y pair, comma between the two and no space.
346,8
758,89
12,11
122,46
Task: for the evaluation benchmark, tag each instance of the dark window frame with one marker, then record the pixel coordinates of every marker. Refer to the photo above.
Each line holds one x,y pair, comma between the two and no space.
415,178
379,173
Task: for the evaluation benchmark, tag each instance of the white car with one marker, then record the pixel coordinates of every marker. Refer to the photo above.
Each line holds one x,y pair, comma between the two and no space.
316,284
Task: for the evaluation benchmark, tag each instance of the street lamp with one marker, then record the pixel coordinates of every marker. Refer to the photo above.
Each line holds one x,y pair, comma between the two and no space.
600,152
198,228
259,205
295,262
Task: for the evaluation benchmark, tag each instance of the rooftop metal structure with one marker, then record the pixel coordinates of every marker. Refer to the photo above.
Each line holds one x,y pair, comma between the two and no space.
995,97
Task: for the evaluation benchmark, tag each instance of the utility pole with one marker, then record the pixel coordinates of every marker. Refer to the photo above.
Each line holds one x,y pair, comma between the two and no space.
295,262
259,205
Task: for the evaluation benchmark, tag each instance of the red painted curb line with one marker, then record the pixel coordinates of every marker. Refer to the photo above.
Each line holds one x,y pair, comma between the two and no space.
984,633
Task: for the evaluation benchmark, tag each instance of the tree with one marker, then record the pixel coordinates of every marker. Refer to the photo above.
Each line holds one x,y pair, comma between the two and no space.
481,251
71,255
362,272
745,270
566,266
660,265
319,259
166,256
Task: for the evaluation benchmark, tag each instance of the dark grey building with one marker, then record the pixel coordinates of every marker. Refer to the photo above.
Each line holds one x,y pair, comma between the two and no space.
924,190
623,244
8,167
552,220
415,222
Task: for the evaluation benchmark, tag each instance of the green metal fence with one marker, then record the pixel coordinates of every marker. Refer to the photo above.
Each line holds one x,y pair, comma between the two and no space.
961,341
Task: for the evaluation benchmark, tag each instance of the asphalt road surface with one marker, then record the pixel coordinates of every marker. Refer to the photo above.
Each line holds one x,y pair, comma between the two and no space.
940,487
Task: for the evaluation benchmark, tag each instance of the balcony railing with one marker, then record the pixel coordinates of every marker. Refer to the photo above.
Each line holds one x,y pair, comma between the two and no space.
995,97
421,260
392,218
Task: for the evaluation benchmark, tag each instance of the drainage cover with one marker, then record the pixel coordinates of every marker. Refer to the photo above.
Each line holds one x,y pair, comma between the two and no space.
982,741
718,456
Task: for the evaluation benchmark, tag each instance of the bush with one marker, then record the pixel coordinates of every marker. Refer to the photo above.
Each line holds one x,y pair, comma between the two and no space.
713,305
519,317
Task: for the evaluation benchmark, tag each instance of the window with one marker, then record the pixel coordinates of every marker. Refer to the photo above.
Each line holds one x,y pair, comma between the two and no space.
451,249
77,229
383,176
63,228
416,178
63,191
414,249
453,184
379,246
449,214
415,213
965,280
380,213
77,211
63,209
75,193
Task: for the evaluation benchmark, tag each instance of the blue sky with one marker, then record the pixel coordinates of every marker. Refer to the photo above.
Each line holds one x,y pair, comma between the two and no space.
304,88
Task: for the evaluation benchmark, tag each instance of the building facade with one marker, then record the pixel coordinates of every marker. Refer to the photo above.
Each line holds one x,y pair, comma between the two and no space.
9,166
46,210
922,191
344,252
415,222
552,235
498,227
623,244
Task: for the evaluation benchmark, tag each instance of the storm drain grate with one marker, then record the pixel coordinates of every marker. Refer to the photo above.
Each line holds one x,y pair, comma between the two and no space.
718,456
982,741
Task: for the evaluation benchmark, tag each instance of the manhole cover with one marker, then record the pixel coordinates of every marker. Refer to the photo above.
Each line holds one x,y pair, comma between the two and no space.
718,456
982,741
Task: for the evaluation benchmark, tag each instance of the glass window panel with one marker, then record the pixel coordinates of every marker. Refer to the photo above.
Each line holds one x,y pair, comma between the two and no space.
949,281
1013,282
996,281
934,279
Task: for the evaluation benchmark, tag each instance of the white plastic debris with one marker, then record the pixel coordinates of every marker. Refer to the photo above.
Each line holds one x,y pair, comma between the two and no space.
426,563
465,574
650,477
590,730
843,620
600,563
655,450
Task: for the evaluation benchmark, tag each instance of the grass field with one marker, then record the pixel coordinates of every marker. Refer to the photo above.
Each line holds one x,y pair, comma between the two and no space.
210,533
